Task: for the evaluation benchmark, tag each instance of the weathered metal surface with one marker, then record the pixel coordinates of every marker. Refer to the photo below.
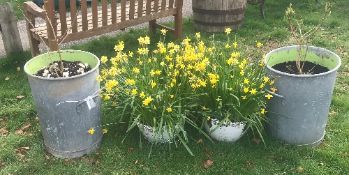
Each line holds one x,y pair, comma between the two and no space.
298,114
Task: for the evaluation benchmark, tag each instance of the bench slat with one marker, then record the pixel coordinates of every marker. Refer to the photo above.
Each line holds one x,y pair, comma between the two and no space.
163,4
156,5
42,32
49,6
132,9
104,12
95,13
170,4
140,8
123,10
63,16
74,23
113,11
148,6
84,15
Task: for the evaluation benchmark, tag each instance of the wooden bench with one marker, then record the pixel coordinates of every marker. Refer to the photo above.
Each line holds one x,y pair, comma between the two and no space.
110,15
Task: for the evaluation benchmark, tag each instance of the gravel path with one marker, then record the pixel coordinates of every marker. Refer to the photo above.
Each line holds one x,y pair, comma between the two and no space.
187,11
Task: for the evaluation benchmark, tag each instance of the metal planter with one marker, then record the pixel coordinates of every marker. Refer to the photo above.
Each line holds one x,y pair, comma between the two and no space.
67,107
298,113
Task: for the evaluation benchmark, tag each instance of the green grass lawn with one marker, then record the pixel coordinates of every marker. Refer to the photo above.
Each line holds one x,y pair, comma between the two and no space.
22,151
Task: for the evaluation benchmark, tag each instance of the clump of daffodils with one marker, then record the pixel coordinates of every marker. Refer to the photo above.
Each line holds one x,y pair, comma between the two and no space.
151,86
162,87
231,83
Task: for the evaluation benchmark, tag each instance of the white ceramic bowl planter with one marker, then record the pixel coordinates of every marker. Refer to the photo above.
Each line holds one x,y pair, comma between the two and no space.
164,137
226,131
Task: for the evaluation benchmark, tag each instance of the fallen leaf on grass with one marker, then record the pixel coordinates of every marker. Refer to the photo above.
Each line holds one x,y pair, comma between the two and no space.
208,163
249,164
7,78
130,149
3,132
22,151
23,129
332,113
300,169
200,141
19,97
256,140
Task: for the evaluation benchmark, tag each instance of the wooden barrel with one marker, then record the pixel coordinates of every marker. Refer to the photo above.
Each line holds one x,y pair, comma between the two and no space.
216,15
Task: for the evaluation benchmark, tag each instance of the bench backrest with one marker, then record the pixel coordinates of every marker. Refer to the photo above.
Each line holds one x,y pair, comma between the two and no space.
104,16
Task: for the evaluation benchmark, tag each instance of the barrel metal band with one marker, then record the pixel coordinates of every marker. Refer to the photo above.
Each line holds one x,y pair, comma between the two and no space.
218,24
220,12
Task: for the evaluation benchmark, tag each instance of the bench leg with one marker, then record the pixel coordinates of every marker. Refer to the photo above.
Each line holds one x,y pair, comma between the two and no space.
261,8
34,46
178,25
152,27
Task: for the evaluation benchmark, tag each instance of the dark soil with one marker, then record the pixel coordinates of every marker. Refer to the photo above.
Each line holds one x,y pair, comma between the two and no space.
70,69
308,68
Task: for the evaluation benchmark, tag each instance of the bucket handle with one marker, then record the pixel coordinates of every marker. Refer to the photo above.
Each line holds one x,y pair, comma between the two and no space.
275,94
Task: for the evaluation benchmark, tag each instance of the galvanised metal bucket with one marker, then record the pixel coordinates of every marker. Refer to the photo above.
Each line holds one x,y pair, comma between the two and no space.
67,107
298,112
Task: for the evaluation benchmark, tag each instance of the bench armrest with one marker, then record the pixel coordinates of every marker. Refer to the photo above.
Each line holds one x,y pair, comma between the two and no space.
31,8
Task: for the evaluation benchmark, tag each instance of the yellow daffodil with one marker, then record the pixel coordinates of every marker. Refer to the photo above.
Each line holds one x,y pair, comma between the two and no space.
246,90
227,31
266,79
261,86
259,44
246,81
235,55
157,72
263,111
147,101
232,61
136,70
119,47
134,92
163,31
130,82
273,89
152,83
268,96
235,45
91,131
197,35
143,51
106,97
142,94
110,84
253,91
213,78
169,109
104,59
171,96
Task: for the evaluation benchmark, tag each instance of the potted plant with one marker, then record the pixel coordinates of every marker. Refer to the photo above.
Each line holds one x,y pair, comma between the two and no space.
150,88
66,96
231,88
305,78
